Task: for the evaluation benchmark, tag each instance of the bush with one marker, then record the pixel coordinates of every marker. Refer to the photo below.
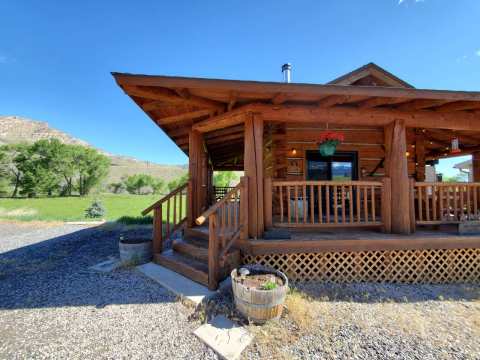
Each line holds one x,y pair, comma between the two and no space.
96,210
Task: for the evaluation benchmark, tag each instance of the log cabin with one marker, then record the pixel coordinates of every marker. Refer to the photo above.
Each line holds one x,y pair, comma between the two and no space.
362,213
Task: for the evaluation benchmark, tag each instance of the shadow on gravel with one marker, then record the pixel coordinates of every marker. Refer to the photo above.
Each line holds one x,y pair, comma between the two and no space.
55,273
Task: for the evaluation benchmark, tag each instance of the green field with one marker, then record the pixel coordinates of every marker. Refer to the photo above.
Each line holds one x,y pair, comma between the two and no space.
73,208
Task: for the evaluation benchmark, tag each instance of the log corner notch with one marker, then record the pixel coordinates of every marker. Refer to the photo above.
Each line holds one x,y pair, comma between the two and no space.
396,169
253,168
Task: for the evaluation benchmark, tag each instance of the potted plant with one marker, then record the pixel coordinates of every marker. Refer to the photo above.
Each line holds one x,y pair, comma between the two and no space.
328,142
135,249
259,292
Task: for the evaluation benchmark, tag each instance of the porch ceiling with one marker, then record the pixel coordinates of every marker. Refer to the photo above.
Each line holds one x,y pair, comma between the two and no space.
216,107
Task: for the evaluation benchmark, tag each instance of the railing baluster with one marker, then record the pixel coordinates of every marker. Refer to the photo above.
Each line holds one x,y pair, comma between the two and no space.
289,210
469,210
327,203
365,203
434,202
460,193
359,216
342,189
312,204
281,202
296,204
335,204
350,203
320,204
305,203
372,189
427,204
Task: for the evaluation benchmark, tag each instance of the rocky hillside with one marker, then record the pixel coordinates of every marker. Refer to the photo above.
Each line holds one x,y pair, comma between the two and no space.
15,129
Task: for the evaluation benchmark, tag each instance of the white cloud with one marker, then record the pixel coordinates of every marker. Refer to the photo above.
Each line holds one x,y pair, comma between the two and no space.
477,52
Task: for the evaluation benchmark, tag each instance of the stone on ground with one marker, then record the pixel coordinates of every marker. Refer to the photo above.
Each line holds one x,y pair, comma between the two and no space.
225,337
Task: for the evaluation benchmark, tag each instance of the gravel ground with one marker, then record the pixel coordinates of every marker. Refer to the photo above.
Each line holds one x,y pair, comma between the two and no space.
53,306
374,321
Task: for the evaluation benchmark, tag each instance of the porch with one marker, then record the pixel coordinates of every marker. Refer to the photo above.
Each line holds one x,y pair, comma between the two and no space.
270,131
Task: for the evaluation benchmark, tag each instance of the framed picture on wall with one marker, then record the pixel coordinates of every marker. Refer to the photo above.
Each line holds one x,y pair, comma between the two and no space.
295,166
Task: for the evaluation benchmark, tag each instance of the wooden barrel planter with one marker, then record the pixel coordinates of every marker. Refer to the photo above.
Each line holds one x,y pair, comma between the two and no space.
135,250
255,296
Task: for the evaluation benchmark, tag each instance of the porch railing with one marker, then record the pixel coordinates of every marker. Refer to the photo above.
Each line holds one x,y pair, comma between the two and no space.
171,209
227,223
440,203
219,192
331,203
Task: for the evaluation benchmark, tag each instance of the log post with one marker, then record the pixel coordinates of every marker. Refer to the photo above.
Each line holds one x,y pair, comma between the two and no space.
244,208
157,244
419,155
197,167
476,166
397,170
253,168
267,203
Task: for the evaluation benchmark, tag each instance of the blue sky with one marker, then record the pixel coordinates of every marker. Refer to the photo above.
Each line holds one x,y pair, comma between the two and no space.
56,56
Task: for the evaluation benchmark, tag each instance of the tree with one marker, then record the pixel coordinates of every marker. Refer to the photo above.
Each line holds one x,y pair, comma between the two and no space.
158,185
172,185
9,171
224,178
461,177
92,168
117,187
139,184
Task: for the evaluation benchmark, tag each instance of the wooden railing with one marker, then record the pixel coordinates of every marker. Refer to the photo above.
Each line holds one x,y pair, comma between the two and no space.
219,192
227,222
439,203
330,203
169,214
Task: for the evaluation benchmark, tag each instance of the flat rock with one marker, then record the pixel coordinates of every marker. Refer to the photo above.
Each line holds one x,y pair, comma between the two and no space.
176,283
225,337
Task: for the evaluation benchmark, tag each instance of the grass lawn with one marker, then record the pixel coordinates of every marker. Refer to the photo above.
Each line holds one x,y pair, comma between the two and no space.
73,208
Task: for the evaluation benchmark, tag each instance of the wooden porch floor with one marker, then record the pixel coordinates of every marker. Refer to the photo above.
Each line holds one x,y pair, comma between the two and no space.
358,239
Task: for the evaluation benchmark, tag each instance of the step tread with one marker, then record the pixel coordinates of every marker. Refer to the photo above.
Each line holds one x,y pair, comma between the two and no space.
194,249
190,268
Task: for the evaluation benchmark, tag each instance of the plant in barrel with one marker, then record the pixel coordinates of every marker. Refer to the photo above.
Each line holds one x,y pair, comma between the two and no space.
328,142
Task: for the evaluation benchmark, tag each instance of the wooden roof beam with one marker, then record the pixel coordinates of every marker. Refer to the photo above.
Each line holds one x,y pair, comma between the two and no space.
169,96
232,100
458,106
185,116
279,98
227,119
419,104
371,117
379,101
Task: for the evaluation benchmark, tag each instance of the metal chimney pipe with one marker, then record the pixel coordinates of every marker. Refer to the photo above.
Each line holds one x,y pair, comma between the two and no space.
287,72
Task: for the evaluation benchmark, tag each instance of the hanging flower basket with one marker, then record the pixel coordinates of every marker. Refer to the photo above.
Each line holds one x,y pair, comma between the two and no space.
329,141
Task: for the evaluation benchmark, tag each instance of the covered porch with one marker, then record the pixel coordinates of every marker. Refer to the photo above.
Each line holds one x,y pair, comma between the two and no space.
270,132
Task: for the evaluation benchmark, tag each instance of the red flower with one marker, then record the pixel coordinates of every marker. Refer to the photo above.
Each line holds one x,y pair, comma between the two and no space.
331,136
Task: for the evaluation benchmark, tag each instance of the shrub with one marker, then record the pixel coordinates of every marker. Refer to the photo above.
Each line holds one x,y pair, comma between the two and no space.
96,210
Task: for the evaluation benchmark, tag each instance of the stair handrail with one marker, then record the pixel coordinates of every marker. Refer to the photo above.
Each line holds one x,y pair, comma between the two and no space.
165,198
212,209
227,223
179,216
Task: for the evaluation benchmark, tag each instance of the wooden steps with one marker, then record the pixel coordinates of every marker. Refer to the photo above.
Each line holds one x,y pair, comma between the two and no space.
186,266
189,256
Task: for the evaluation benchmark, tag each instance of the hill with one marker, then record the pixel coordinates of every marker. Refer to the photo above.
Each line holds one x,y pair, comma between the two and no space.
15,129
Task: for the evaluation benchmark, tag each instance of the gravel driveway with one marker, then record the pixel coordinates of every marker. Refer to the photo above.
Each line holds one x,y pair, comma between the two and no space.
53,306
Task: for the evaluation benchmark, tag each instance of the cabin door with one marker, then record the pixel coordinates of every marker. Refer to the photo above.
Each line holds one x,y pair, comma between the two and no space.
342,166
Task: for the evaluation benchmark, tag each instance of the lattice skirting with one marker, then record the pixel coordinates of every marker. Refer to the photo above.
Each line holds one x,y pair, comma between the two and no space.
399,266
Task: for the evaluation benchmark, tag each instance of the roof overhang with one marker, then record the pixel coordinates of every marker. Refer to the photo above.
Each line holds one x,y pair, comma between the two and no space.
218,107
